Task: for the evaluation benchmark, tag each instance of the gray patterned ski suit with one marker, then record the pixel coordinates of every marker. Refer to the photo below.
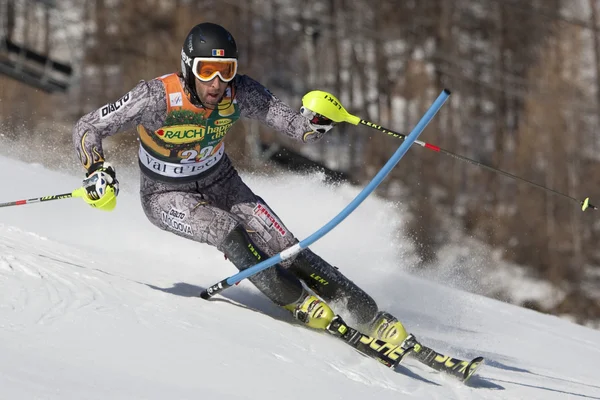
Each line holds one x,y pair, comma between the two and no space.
190,188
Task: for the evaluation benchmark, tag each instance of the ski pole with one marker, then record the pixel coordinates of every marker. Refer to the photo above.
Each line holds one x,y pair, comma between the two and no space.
335,112
298,247
75,193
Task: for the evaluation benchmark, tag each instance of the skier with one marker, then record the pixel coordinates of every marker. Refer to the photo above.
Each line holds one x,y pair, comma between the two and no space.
190,188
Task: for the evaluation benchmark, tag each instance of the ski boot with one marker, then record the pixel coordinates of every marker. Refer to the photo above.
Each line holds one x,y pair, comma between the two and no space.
387,328
312,311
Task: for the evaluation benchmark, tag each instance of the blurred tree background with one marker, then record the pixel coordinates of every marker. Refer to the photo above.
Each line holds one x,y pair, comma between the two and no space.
525,77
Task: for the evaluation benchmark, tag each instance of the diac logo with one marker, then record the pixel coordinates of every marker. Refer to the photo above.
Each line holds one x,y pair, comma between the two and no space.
222,121
181,134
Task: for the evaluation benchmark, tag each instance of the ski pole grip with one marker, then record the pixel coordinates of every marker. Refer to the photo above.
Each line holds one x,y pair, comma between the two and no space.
214,289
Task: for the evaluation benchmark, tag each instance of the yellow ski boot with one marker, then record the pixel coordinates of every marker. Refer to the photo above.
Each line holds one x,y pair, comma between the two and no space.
387,328
312,311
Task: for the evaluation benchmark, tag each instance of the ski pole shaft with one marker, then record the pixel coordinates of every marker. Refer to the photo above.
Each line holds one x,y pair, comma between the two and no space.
330,107
585,204
75,193
298,247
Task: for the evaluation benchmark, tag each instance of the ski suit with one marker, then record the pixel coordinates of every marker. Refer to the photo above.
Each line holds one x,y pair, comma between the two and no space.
189,186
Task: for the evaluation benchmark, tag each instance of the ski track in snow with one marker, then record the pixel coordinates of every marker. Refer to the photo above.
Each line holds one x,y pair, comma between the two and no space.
96,319
44,286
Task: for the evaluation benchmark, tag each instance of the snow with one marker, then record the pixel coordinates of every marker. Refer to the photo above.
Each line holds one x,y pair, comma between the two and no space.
97,305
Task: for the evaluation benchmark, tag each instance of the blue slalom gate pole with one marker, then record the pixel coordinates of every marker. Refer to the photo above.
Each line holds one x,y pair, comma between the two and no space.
298,247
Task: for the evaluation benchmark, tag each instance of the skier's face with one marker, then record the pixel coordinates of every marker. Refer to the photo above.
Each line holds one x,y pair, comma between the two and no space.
211,92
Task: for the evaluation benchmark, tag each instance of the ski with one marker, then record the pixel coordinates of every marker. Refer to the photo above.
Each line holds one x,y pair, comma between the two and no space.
391,355
388,354
461,369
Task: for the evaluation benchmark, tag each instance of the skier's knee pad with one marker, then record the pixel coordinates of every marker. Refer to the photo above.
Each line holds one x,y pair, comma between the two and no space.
275,282
240,250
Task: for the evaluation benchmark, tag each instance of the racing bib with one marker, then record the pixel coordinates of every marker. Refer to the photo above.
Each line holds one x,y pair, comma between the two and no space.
191,140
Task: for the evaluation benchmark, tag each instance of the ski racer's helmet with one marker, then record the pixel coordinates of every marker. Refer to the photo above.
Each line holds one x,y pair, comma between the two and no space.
209,50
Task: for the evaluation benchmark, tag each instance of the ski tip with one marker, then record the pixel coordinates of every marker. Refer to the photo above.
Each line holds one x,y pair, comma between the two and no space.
472,368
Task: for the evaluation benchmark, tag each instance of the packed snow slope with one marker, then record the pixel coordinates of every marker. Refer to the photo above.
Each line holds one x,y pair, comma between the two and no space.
97,305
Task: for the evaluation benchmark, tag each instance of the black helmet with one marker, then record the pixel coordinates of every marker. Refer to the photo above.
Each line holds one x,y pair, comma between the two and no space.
205,40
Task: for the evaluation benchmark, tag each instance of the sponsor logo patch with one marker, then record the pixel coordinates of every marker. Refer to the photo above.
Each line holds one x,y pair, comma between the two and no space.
185,58
181,134
222,121
268,219
176,99
176,214
218,131
111,108
174,220
186,167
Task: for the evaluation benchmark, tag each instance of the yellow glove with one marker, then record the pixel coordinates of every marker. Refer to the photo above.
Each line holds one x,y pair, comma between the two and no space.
100,187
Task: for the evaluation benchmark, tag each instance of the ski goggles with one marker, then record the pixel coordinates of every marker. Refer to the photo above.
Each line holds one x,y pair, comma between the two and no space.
206,69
